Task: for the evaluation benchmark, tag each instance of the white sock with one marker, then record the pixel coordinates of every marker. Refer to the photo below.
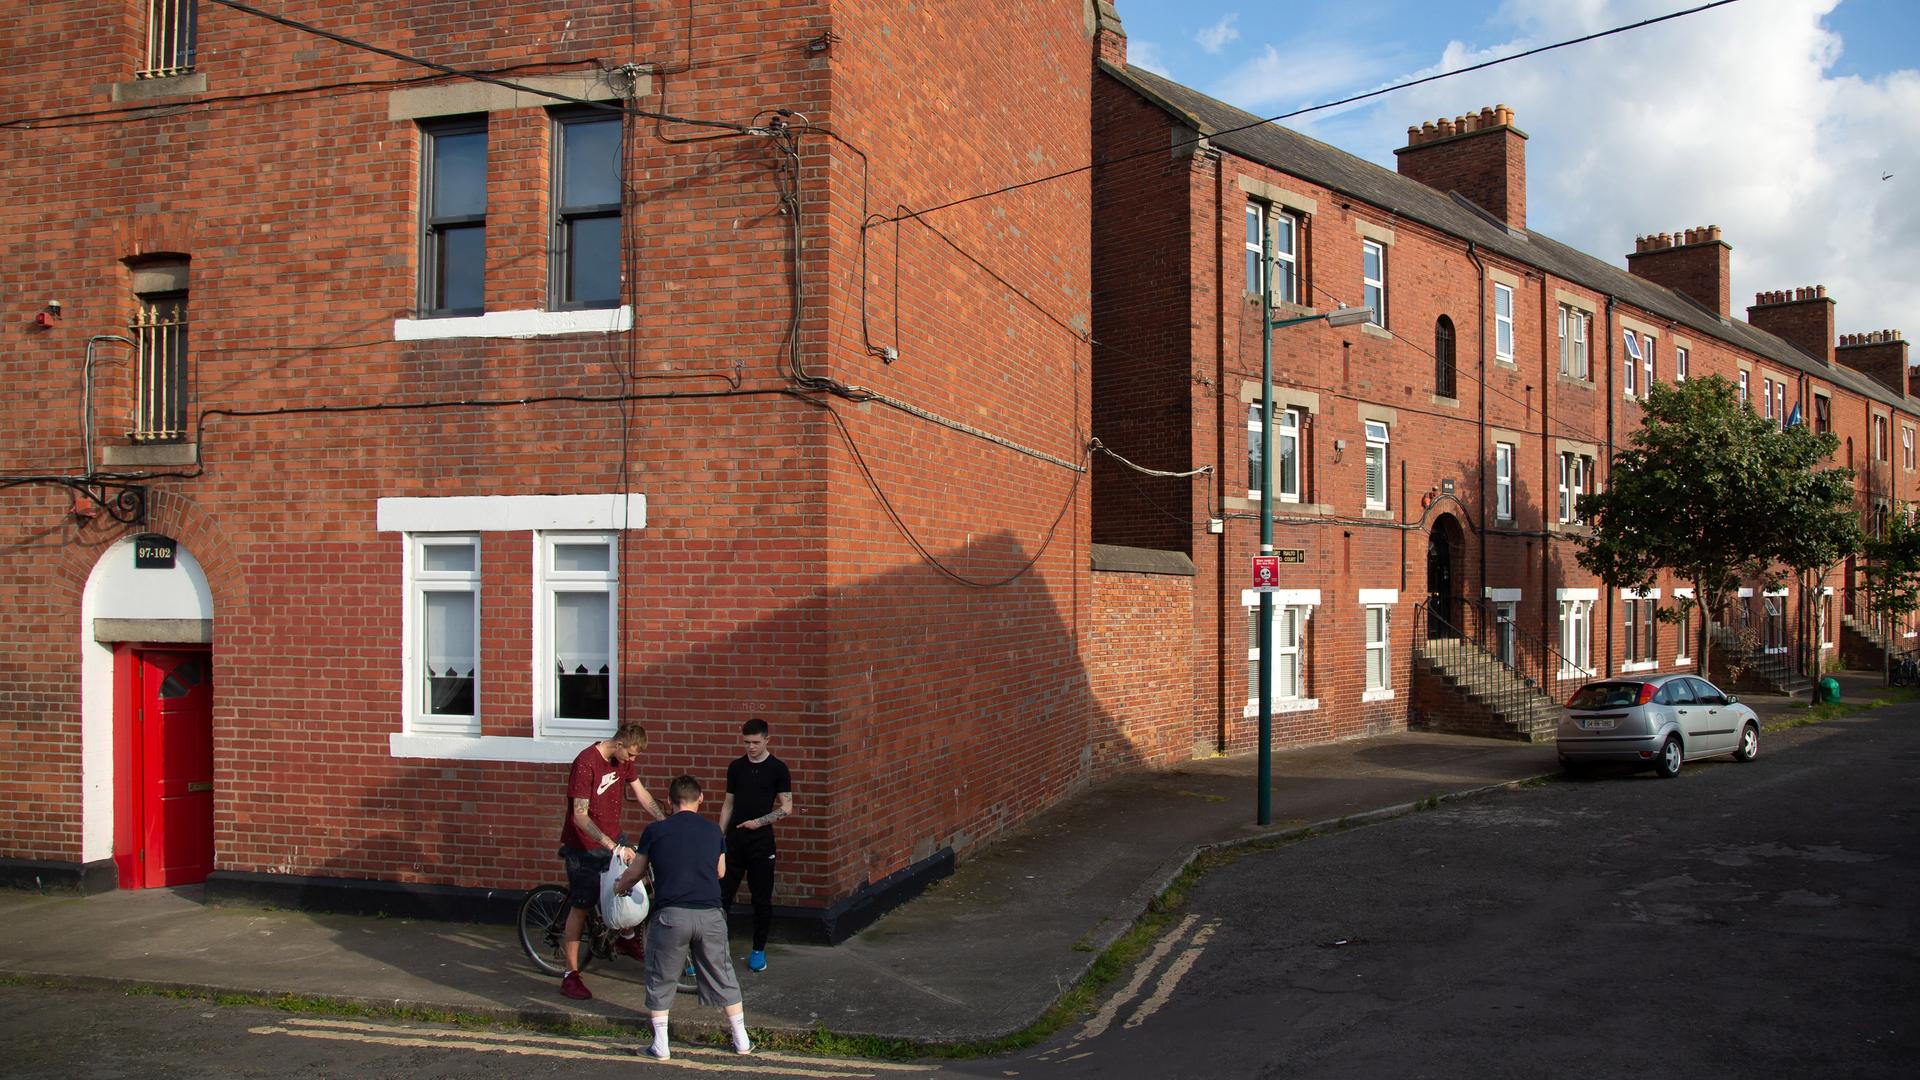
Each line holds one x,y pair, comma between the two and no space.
659,1047
741,1044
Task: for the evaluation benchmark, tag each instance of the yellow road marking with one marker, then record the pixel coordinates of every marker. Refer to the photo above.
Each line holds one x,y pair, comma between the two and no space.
1104,1018
753,1064
1175,972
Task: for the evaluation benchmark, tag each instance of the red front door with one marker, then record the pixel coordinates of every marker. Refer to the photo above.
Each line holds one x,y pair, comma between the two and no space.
171,774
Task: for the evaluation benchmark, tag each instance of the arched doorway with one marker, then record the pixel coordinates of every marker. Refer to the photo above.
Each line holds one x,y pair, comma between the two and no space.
1445,543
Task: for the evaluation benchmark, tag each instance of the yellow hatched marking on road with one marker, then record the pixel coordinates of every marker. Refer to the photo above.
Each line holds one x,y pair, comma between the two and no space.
1175,972
755,1064
1104,1018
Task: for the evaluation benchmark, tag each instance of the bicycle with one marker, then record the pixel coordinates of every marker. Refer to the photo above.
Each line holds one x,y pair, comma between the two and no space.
1904,671
543,923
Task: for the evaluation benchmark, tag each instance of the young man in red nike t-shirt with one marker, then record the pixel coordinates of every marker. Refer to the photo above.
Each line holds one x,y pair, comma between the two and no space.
590,836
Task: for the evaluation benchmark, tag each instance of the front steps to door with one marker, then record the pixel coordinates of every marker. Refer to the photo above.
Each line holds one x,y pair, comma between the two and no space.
1759,669
1463,689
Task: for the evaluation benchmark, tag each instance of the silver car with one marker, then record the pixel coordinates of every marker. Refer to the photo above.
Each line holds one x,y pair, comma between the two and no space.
1661,721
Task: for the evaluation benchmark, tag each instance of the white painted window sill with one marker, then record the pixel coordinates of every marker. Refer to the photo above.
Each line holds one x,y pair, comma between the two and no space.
1285,705
1644,665
516,324
1377,695
486,748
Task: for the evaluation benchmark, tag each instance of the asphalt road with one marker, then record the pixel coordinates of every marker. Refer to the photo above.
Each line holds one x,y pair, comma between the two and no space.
1739,921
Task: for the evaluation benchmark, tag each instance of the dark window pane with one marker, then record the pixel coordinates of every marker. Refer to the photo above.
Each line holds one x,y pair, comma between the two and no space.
459,174
593,261
462,267
583,696
181,680
450,696
590,172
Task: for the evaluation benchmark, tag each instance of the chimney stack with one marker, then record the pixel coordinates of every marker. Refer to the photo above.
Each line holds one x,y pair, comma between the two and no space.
1880,355
1480,155
1109,37
1804,316
1695,262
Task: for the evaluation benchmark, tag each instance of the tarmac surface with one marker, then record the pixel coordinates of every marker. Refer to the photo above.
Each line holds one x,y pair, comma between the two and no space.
979,956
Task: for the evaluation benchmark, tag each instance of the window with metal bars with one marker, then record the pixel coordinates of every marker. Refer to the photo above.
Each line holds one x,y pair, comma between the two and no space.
159,332
172,32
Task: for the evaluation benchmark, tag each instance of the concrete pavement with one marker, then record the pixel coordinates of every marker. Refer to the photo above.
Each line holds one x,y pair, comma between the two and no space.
981,955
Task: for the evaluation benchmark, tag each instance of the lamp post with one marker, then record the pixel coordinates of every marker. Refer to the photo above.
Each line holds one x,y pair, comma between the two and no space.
1346,316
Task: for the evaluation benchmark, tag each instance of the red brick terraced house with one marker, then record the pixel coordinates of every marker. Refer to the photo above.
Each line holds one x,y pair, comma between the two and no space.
1427,462
405,394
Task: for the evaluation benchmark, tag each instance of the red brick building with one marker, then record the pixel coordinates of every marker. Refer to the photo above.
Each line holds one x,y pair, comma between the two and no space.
381,435
1426,462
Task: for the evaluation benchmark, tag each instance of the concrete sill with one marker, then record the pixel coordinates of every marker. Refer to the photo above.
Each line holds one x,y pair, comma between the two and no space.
154,455
153,89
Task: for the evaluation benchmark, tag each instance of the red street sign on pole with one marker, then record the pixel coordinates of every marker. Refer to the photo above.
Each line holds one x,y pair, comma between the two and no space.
1266,573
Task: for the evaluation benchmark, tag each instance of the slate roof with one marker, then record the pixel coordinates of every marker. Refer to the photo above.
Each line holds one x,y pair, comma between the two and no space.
1294,153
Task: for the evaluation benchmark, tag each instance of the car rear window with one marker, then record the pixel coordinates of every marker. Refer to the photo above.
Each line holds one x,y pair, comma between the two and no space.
1605,695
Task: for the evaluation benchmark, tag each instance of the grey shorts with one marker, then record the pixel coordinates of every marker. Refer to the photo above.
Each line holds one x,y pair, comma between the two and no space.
672,934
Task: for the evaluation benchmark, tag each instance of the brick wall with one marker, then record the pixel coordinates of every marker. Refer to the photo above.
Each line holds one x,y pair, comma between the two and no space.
787,567
1140,669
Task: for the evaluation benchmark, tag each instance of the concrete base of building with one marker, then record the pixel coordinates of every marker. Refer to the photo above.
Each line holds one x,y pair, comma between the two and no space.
59,876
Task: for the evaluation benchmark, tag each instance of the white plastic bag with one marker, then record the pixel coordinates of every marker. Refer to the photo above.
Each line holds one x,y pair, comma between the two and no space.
621,911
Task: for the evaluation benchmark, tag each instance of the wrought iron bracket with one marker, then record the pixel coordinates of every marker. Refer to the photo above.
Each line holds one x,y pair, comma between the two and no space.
124,502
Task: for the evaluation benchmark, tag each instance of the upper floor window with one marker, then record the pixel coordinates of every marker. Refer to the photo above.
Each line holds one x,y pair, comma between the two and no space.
1879,438
1646,363
172,38
1286,251
1680,358
1286,440
1502,322
159,332
1376,465
1503,481
586,212
1906,446
1574,325
1444,382
1780,402
453,217
1743,388
1822,414
1632,341
1766,398
1373,279
1576,472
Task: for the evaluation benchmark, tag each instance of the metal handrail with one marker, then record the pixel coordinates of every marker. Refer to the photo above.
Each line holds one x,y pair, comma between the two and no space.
1510,690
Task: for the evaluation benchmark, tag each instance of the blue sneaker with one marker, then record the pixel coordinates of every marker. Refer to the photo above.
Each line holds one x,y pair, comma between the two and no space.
689,971
757,960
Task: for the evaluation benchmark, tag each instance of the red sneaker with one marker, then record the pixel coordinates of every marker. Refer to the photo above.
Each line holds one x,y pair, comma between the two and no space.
571,986
630,946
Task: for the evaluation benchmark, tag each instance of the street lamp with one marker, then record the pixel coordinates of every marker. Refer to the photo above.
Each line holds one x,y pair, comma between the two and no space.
1346,316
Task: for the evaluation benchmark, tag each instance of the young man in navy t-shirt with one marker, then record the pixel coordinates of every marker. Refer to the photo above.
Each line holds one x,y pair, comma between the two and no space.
687,857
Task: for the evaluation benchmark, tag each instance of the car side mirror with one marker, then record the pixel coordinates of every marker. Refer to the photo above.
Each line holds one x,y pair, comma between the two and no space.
1729,699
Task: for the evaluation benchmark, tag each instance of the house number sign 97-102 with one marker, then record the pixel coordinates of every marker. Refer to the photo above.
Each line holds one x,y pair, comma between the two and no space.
153,552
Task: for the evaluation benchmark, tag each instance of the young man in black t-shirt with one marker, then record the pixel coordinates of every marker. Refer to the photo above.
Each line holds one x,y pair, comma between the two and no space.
759,793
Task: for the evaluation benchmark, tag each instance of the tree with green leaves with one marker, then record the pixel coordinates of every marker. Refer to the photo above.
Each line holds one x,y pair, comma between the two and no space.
1893,573
1716,494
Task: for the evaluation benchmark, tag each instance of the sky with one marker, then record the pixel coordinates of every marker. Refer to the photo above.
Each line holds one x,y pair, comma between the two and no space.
1794,125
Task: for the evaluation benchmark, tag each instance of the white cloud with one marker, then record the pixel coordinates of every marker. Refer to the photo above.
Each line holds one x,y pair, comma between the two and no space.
1147,54
1304,73
1730,117
1220,34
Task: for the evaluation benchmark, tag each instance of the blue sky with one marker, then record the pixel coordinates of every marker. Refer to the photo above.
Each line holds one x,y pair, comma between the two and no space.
1774,119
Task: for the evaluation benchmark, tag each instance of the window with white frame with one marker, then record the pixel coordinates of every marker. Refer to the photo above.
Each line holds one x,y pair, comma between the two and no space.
1503,322
1574,324
1647,349
1503,481
1684,630
575,588
1576,472
1376,465
1826,619
1879,438
1680,357
1743,388
1379,671
1774,633
1766,398
443,661
1505,626
1373,279
1286,257
1642,639
1286,440
1289,653
1906,446
1632,360
1576,638
1780,402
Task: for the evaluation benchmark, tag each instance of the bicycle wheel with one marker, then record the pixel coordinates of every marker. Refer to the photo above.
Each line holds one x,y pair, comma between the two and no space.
543,920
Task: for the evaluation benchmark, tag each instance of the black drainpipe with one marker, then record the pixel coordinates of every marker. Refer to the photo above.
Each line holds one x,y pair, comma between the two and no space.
1481,336
1605,589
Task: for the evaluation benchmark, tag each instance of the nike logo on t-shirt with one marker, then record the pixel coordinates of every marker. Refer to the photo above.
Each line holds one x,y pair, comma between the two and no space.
608,781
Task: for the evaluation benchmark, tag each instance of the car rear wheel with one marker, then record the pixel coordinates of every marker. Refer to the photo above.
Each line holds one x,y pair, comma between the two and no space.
1667,762
1749,747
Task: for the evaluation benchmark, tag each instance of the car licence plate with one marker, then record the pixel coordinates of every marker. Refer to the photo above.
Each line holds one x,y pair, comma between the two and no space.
1597,723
